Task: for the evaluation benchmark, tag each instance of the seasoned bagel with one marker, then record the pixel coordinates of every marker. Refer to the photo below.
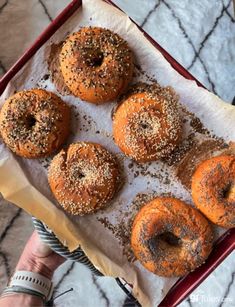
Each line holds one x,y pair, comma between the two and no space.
213,190
170,238
34,123
83,178
147,124
96,64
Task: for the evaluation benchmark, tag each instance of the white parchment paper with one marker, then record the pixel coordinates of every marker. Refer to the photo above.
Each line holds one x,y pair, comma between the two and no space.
94,123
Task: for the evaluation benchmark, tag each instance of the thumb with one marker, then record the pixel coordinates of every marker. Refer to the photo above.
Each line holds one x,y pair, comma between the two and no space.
42,250
39,249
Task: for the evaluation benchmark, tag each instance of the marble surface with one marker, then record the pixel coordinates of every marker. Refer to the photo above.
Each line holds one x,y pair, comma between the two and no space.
200,35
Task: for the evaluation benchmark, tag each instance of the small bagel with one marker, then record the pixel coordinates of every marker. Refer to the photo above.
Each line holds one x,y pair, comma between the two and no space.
147,124
83,178
170,238
96,64
213,190
34,123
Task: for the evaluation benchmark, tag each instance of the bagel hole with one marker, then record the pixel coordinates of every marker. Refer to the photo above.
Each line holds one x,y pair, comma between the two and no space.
31,121
169,238
81,175
229,192
78,174
144,125
95,59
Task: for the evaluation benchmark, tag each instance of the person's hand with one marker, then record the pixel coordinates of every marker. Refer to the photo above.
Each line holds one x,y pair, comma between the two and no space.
39,258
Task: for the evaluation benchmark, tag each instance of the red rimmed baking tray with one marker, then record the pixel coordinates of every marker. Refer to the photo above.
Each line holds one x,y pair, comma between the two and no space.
224,245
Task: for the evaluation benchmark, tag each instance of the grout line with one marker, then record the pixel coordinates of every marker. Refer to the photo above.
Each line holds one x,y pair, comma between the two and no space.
229,15
11,222
3,67
6,263
189,302
3,5
210,32
103,294
197,56
150,13
208,76
227,290
45,10
56,287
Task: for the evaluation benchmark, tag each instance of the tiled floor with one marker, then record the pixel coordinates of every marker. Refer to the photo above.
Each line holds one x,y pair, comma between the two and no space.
201,36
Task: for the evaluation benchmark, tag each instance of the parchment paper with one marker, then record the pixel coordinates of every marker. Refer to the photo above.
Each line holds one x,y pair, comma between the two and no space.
104,245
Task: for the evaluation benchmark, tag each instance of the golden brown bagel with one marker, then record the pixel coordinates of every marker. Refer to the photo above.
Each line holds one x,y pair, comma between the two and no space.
213,190
83,178
34,123
96,64
147,124
170,238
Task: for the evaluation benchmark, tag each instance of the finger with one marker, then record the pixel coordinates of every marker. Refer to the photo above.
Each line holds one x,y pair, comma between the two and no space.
39,248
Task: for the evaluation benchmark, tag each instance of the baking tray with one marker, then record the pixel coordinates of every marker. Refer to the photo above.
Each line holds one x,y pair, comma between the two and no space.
225,244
